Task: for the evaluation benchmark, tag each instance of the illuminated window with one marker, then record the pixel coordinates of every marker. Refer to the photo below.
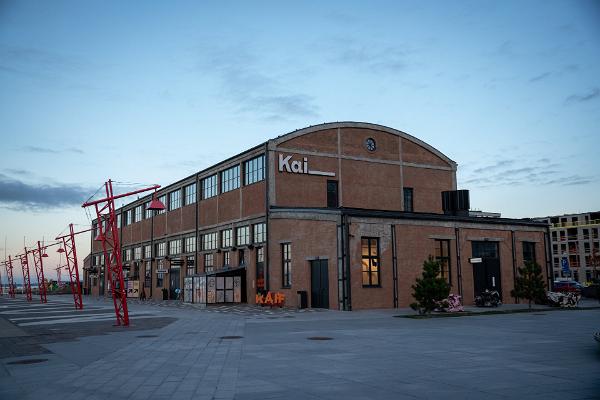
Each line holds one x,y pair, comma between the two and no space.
370,261
442,255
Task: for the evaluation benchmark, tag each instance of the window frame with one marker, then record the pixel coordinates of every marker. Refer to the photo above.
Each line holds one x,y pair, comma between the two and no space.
439,246
230,179
190,197
254,170
370,271
174,199
209,186
286,265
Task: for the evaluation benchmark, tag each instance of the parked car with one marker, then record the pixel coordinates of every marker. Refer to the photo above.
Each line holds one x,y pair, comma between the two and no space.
567,286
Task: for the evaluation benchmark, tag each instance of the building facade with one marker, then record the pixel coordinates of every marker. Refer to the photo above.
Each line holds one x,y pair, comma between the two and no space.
343,213
576,238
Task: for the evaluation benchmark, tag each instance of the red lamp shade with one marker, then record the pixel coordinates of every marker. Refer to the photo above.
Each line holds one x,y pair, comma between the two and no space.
156,205
44,255
60,250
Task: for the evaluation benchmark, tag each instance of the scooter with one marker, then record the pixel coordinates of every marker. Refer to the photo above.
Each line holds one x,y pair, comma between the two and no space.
488,298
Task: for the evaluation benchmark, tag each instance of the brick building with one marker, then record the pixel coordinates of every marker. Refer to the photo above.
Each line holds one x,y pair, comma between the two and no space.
346,212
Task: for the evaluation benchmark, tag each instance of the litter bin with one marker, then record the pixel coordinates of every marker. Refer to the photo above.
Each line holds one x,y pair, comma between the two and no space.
302,299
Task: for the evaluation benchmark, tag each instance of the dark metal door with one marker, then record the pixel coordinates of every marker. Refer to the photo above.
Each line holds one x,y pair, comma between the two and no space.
486,274
174,282
319,288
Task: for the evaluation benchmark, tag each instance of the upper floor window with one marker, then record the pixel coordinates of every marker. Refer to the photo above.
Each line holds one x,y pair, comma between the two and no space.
209,241
147,251
128,218
529,251
174,200
226,238
174,247
230,179
260,232
209,186
162,199
209,262
190,194
149,213
370,261
161,249
137,253
408,199
190,244
254,170
138,214
242,235
226,259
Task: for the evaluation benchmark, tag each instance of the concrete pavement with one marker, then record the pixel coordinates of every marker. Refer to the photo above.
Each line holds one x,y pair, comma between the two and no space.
247,353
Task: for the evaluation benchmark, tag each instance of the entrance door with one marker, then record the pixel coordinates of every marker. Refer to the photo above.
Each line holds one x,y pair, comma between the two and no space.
486,274
174,282
319,284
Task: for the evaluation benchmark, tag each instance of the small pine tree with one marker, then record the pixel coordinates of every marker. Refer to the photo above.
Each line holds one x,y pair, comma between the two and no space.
530,283
430,288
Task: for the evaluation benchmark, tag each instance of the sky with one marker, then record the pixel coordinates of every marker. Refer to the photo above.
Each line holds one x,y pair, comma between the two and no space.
147,92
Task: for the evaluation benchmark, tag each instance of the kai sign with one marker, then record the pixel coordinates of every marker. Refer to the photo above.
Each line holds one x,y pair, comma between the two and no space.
290,165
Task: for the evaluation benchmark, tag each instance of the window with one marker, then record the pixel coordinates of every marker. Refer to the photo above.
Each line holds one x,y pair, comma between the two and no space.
209,262
127,253
174,200
286,265
174,247
118,220
190,194
230,179
242,236
161,249
190,244
209,187
226,238
241,258
254,170
128,216
162,199
442,255
586,247
138,214
332,194
408,200
370,261
149,213
137,253
160,275
190,263
148,274
209,241
260,269
260,231
226,259
529,252
147,251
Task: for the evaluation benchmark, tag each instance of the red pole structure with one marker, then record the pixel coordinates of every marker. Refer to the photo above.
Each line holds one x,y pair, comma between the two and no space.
11,282
71,256
39,270
105,211
26,280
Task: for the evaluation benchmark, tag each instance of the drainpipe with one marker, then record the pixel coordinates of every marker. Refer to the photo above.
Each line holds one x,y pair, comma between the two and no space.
458,263
395,265
514,262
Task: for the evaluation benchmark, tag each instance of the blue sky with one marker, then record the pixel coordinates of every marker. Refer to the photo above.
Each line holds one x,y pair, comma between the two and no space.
149,92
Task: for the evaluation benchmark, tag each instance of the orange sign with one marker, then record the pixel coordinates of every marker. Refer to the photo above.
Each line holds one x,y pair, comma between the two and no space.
270,299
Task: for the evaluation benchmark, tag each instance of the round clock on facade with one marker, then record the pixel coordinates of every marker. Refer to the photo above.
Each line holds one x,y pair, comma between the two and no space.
370,144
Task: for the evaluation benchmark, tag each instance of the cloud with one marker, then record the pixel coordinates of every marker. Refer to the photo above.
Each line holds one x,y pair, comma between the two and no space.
21,172
47,150
19,195
373,58
505,172
38,62
580,98
244,82
540,77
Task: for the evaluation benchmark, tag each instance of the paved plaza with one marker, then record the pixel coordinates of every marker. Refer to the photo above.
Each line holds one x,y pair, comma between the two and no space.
177,351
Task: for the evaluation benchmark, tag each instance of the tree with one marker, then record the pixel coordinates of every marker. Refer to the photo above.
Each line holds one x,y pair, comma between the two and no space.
430,288
529,284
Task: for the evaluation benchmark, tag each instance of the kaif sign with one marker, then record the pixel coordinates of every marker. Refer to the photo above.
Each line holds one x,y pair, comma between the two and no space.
290,165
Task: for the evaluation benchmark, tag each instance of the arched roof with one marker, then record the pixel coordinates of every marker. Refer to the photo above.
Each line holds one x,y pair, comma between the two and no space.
363,125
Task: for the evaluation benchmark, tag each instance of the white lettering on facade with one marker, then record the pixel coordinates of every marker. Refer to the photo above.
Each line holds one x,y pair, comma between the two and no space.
287,164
